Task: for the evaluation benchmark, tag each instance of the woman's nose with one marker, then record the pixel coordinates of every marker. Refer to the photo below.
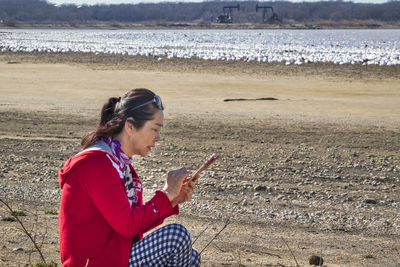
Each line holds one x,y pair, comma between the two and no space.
157,137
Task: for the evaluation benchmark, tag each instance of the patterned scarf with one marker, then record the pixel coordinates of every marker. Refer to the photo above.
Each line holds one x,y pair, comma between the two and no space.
133,185
115,146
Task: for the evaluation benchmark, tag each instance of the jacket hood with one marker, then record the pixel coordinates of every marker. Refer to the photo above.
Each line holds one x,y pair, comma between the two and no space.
98,149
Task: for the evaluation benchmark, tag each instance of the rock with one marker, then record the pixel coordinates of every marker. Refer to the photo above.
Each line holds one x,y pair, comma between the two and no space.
370,201
316,261
260,188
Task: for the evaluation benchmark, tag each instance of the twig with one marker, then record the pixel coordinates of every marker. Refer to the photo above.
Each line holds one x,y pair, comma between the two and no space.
220,249
223,228
199,235
44,236
34,230
23,227
291,252
45,228
320,257
35,225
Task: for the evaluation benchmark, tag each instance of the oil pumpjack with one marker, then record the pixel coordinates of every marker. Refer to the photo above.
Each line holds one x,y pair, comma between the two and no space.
227,17
269,16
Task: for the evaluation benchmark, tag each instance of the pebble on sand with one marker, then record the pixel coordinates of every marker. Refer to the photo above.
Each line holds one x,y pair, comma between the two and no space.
316,261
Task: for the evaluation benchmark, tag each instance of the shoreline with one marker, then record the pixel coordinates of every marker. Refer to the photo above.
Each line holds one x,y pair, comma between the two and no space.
197,65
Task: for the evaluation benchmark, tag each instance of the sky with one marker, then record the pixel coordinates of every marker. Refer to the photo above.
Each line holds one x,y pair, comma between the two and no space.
93,2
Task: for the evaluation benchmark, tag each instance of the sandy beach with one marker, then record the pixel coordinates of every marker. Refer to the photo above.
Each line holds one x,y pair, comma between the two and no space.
311,167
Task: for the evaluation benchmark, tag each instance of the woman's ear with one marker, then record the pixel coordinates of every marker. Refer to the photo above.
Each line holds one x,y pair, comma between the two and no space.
129,124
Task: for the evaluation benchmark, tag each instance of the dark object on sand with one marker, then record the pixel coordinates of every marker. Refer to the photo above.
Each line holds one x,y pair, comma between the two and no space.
370,201
250,99
316,261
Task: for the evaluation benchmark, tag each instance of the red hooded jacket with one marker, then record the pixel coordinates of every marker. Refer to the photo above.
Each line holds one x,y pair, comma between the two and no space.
97,224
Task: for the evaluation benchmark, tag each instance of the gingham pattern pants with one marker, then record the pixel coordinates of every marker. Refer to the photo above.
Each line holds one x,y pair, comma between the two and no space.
170,245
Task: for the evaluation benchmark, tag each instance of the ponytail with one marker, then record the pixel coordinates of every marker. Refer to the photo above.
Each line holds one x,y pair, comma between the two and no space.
109,123
108,110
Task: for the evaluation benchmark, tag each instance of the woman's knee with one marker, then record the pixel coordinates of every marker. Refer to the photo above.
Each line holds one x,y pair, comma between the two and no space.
181,233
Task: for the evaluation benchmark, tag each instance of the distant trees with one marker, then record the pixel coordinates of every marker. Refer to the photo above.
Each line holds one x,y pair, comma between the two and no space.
40,11
337,11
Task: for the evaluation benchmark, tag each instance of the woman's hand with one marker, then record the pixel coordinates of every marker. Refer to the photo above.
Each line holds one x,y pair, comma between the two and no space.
175,183
185,194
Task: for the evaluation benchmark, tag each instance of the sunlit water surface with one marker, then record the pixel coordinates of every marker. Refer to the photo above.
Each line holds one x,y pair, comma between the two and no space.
381,47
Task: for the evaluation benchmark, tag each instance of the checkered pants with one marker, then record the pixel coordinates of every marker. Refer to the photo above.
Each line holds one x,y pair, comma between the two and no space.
170,245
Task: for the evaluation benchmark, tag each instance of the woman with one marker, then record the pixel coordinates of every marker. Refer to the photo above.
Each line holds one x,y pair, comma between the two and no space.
102,217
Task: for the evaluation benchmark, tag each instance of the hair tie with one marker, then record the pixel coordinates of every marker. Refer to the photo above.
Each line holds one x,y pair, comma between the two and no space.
117,104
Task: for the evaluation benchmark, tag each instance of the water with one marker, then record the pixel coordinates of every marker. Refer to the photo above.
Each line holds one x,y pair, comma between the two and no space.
381,47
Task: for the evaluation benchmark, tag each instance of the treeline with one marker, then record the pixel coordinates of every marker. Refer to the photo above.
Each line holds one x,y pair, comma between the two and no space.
40,11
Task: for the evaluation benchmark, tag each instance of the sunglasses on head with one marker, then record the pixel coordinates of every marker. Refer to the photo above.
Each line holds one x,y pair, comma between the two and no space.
156,100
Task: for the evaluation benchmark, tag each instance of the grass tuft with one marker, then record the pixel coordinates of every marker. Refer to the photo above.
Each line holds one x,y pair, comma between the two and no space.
369,256
52,264
19,213
51,212
8,219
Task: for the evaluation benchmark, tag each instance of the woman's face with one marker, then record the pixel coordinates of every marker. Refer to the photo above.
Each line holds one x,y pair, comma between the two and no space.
140,142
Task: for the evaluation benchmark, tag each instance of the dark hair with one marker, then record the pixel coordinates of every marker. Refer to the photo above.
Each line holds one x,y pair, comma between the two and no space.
115,112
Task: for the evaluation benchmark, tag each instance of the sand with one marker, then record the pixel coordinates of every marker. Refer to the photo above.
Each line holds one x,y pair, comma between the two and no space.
331,134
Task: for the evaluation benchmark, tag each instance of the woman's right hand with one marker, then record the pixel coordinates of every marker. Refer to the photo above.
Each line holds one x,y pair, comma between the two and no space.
174,182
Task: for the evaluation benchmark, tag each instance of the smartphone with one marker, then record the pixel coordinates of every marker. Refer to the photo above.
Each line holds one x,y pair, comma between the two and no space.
205,165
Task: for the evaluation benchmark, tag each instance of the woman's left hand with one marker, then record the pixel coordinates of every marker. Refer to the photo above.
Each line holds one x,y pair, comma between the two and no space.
185,194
